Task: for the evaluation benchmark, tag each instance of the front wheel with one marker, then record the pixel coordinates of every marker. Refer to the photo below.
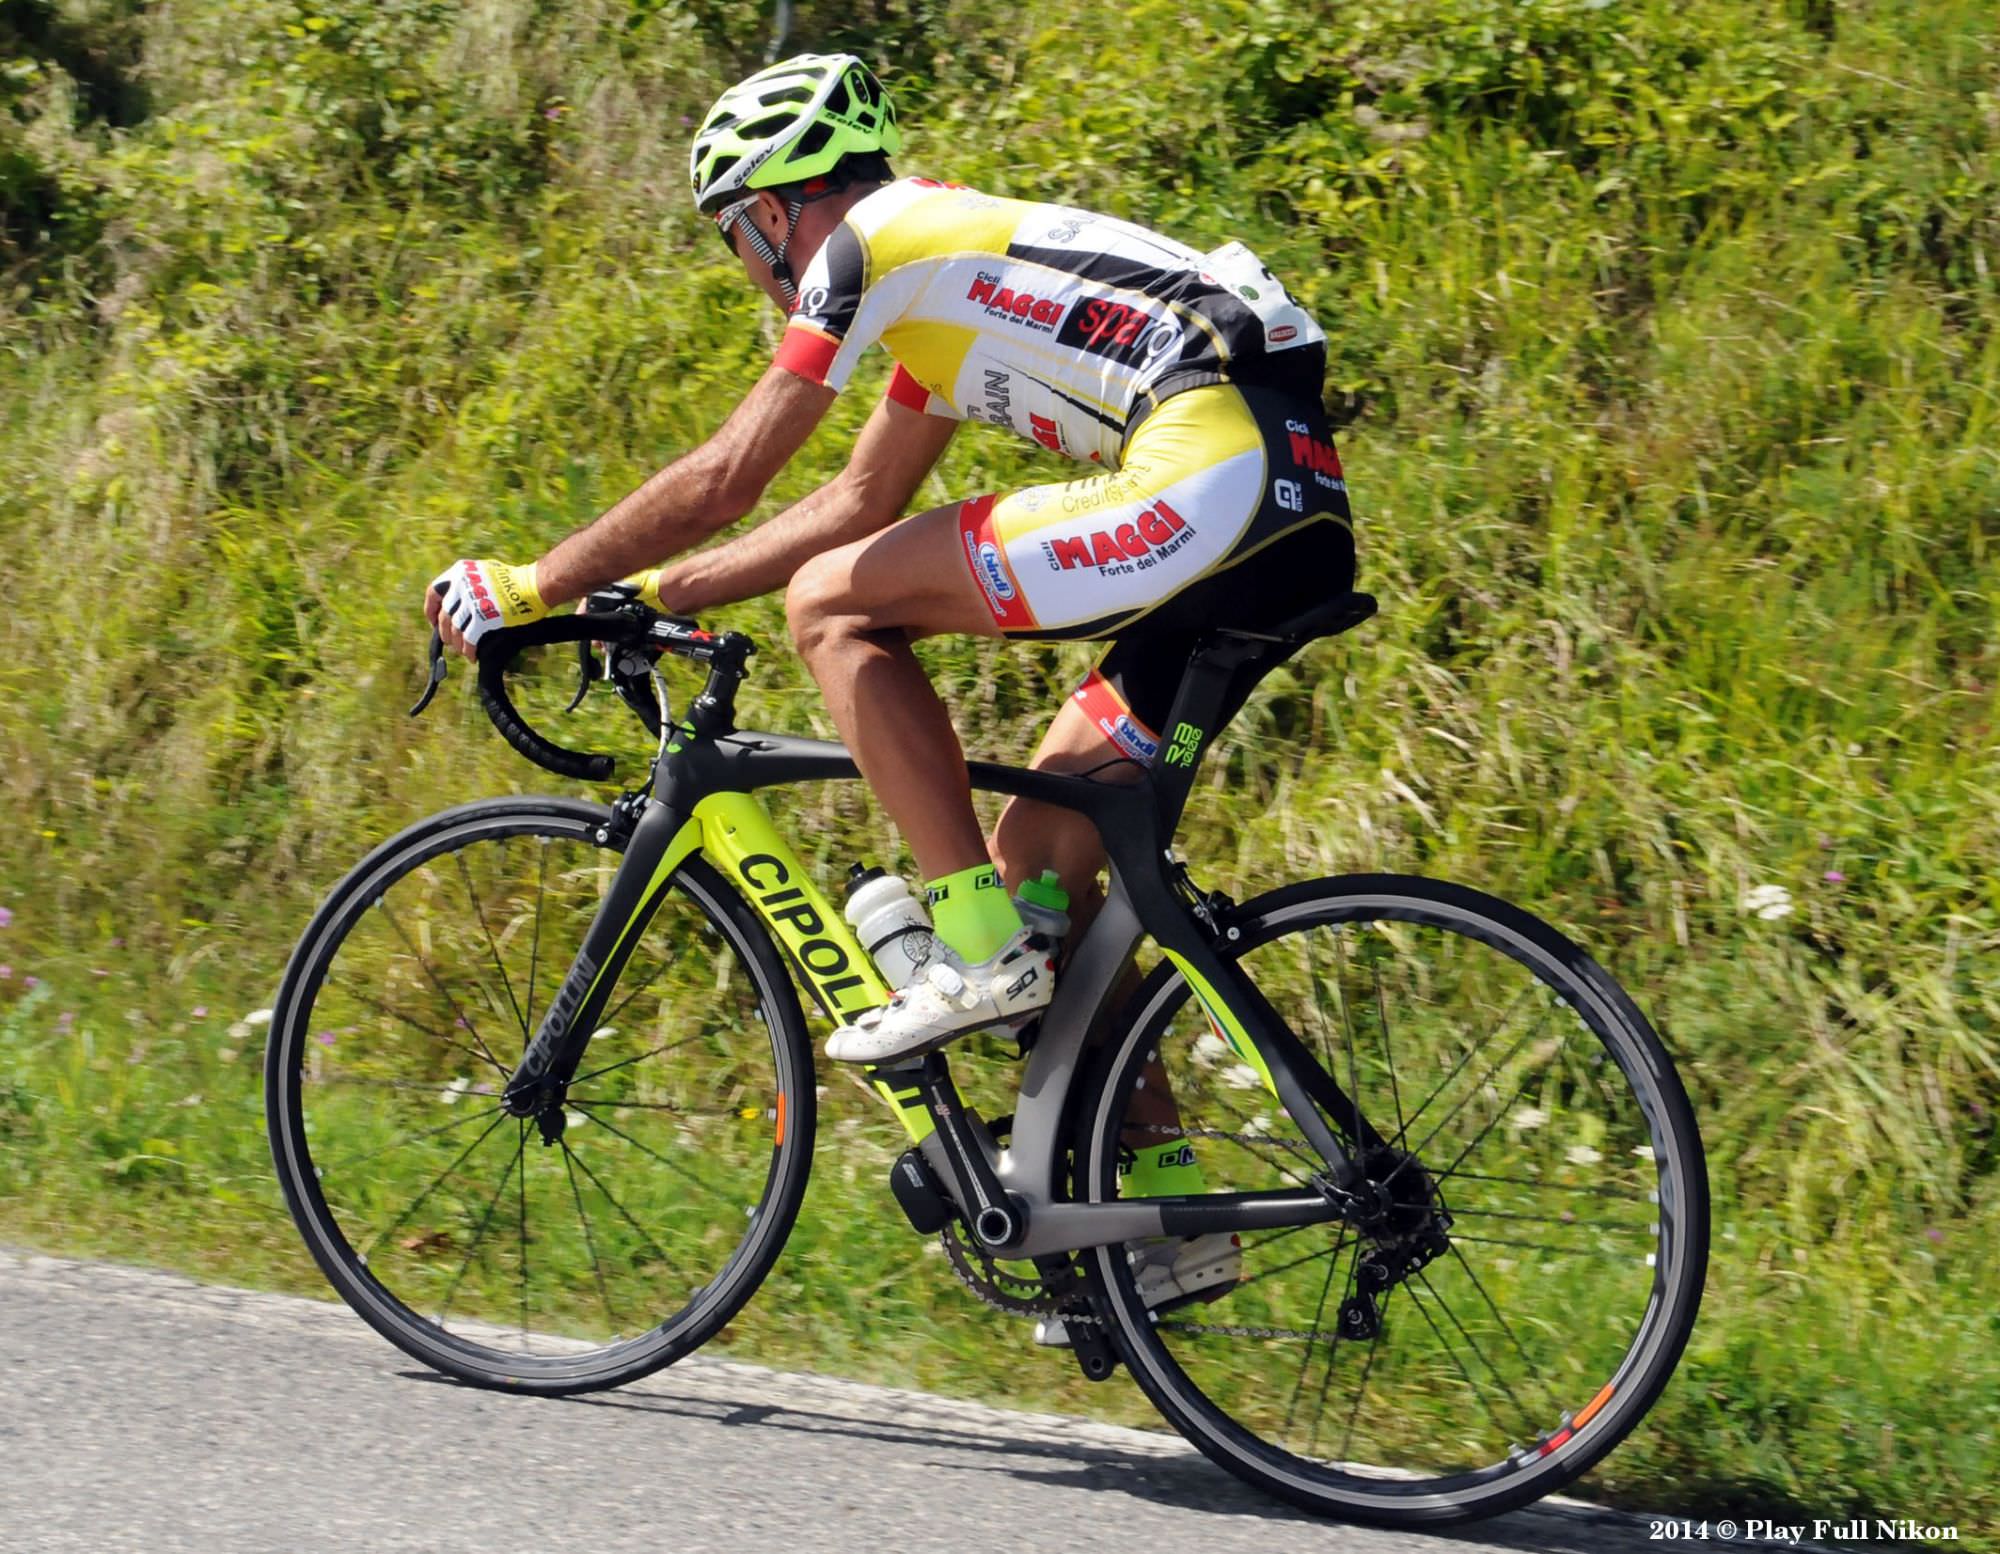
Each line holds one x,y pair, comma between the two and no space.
1535,1259
559,1254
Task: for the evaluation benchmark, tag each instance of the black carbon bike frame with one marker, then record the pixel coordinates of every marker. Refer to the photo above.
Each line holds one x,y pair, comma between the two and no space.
1014,1199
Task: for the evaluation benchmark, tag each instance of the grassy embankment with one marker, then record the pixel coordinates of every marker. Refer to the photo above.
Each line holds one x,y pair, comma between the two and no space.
1665,336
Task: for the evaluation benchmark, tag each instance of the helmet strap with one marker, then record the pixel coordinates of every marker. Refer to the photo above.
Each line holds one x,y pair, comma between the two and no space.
760,245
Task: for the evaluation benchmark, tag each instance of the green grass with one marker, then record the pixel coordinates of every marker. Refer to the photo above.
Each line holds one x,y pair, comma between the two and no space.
1664,350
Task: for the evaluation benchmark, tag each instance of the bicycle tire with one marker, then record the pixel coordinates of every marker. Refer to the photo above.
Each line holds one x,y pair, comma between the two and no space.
619,1247
1159,1347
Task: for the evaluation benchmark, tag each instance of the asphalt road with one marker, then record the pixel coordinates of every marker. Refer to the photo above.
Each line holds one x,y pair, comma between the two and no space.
141,1411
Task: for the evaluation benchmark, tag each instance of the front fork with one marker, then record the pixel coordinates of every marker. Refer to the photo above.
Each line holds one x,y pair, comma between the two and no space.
655,844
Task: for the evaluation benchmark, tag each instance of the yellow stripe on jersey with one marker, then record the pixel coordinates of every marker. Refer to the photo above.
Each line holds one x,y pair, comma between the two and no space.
955,223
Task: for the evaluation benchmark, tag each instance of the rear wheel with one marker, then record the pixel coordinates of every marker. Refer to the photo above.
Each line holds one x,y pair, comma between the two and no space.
470,1238
1534,1262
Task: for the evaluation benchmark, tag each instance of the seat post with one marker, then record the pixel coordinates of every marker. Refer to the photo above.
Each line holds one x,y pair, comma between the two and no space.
1192,724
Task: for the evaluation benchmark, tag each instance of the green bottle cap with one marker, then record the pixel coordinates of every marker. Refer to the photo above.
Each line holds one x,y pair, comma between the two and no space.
1046,892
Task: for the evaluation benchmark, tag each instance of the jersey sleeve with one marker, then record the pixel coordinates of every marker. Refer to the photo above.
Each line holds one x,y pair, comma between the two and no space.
821,343
906,391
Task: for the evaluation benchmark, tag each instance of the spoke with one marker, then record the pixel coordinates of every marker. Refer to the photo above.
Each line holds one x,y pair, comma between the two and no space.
735,1112
1319,1000
1333,1354
422,1087
418,1025
590,1241
412,1138
596,1181
1550,1219
1526,1036
1354,1088
492,945
671,1165
1473,1275
1368,1369
535,943
1272,1273
485,1219
521,1160
1382,1014
382,906
651,977
1279,1235
1457,1068
1319,1311
402,1219
1480,1137
1522,1181
1445,1344
1538,1246
628,1062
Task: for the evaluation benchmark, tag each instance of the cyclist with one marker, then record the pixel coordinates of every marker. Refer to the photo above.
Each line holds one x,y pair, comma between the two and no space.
1187,383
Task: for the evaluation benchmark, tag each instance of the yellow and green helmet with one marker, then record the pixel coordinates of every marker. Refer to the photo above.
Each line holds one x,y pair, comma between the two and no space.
789,123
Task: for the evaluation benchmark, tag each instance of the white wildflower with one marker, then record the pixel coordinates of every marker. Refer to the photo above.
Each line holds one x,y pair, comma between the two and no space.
1242,1077
1583,1155
257,1017
1528,1117
1210,1049
455,1089
1769,902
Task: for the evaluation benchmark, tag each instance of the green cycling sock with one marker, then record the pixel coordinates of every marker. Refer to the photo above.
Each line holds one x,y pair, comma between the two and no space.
973,913
1163,1170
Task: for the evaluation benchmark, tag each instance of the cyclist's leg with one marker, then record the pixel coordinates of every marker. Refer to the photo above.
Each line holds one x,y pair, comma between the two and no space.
854,612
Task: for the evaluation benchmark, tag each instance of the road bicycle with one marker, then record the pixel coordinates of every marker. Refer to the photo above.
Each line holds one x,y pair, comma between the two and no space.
541,1096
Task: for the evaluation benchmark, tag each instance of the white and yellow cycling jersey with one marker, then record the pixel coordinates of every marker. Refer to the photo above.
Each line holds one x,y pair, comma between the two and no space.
1062,324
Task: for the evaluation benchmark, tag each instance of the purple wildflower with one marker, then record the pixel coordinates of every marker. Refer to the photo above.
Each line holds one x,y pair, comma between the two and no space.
6,972
1936,1236
325,1038
118,942
31,981
1834,877
6,917
66,1019
199,1011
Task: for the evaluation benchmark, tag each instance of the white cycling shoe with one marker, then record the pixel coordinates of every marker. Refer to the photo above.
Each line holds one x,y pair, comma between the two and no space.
948,999
1170,1273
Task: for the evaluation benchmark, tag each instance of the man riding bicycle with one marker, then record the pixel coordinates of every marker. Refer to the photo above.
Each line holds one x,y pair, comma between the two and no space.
1189,382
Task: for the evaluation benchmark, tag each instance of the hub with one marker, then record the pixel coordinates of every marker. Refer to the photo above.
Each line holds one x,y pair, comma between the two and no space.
1396,1208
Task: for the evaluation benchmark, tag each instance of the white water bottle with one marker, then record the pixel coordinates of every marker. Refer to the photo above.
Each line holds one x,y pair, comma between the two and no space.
891,922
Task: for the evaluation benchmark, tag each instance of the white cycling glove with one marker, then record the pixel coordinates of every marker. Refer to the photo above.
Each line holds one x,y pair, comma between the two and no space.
482,595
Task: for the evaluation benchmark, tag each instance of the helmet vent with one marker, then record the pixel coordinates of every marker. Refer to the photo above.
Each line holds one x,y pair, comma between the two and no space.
813,140
837,100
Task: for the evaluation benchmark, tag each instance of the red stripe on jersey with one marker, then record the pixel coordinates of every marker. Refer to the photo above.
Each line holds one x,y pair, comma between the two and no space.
807,352
988,560
1109,715
906,391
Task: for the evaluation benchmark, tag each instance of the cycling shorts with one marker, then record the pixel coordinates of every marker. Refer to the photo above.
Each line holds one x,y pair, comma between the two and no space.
1229,508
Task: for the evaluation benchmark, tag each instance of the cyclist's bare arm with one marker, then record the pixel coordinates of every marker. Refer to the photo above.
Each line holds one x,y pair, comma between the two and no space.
893,454
693,497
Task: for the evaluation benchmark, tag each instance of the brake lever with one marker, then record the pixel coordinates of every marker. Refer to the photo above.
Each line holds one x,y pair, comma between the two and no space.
437,672
586,670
